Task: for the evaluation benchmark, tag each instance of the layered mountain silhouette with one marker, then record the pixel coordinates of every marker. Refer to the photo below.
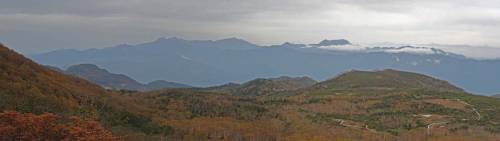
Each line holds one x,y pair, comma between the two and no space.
117,81
103,77
209,63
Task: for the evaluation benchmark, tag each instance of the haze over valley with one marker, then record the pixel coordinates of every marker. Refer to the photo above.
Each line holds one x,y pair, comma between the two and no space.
206,63
259,70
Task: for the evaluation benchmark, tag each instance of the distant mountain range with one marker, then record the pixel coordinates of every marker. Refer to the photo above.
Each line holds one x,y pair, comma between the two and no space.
208,63
115,81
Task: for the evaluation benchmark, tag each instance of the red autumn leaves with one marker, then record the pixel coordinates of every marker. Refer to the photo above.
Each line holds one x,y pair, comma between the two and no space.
16,126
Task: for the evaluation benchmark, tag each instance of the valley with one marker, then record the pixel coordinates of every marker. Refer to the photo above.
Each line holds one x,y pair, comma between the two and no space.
205,63
249,70
374,105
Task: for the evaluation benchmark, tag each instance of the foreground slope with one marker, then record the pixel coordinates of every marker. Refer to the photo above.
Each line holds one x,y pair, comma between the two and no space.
371,106
398,106
31,88
28,87
407,105
169,114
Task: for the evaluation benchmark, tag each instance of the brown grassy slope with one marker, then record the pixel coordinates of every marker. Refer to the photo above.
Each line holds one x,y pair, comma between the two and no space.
28,87
391,111
264,86
31,88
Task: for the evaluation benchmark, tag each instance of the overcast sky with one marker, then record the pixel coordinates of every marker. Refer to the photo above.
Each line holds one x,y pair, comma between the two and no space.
32,26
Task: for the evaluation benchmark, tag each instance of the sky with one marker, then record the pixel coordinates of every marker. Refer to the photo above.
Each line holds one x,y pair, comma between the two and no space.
33,26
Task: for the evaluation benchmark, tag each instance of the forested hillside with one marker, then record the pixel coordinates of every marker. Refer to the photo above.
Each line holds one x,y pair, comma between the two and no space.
357,105
27,87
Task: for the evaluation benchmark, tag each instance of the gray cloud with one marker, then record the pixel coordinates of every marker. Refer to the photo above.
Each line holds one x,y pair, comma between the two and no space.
36,26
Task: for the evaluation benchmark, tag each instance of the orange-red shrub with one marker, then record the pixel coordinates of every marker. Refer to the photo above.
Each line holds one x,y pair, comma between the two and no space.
16,126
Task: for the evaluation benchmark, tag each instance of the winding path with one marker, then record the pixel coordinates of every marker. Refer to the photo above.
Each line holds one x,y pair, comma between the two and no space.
429,127
342,123
472,107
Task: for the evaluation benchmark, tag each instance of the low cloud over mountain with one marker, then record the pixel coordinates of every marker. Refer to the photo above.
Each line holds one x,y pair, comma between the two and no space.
208,62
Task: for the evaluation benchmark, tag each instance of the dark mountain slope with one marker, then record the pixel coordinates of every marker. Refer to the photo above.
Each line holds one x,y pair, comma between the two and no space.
117,81
333,42
103,77
273,85
265,86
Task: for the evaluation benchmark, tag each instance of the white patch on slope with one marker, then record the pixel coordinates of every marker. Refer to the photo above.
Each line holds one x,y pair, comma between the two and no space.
185,57
436,61
433,61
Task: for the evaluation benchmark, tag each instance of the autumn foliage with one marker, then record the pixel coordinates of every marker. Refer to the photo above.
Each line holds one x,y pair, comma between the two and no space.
361,106
16,126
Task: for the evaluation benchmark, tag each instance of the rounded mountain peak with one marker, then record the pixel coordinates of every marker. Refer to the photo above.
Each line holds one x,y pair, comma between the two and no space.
387,79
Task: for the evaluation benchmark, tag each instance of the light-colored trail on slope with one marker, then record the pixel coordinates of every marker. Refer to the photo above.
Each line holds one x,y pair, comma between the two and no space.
472,107
342,123
429,127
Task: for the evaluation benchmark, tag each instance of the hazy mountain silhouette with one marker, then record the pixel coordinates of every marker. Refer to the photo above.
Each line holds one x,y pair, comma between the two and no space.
209,63
110,80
